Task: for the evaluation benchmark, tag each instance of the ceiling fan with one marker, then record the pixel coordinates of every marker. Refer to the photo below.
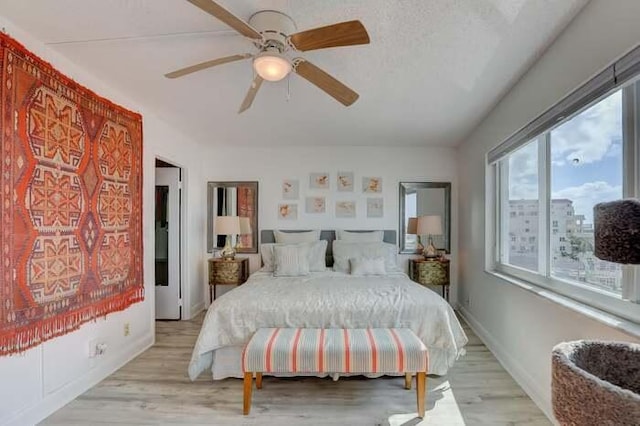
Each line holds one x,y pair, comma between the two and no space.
273,34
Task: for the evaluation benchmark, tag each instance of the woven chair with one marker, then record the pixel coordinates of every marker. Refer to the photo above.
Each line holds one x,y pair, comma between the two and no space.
596,383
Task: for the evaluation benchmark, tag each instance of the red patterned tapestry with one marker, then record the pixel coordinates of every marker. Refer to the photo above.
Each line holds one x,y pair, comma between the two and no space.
70,200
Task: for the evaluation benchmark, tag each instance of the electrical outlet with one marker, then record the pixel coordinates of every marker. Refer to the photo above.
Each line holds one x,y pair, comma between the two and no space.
127,329
101,348
96,348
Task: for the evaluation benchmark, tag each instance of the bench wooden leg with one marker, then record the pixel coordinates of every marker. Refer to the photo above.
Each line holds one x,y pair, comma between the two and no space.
421,383
407,381
246,402
259,380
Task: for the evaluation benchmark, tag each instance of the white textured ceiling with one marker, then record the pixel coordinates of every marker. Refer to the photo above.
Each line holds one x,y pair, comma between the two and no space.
433,70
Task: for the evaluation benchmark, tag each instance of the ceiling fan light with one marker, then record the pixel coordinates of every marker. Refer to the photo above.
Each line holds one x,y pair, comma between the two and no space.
271,66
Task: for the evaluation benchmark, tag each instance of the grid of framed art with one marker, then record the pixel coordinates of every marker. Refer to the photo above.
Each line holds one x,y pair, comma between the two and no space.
321,185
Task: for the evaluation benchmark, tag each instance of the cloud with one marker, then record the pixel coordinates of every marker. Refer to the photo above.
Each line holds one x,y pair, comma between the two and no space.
591,135
585,196
523,191
523,173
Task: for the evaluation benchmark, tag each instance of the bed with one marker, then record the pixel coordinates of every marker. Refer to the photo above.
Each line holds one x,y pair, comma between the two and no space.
324,299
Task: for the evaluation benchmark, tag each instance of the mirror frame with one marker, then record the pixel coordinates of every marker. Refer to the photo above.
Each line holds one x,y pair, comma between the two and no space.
211,214
447,212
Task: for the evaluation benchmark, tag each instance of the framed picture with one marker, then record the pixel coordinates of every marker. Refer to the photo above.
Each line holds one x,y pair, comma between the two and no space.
288,211
290,189
375,207
346,209
319,180
316,205
345,182
372,185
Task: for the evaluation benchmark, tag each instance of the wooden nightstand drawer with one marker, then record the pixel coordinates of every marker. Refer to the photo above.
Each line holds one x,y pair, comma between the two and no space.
227,272
431,272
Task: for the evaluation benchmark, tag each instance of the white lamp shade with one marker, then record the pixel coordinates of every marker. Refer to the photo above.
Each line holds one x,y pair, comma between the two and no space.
245,226
429,225
412,226
272,66
227,225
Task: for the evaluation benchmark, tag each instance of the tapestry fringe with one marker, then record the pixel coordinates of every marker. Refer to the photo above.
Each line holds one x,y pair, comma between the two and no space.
19,341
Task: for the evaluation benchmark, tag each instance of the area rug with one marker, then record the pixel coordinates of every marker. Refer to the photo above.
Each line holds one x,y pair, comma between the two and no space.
70,202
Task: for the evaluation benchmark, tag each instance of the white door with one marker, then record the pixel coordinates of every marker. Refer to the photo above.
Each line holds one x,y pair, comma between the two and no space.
167,231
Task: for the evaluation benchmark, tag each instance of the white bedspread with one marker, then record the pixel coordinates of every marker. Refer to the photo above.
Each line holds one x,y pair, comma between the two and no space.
325,300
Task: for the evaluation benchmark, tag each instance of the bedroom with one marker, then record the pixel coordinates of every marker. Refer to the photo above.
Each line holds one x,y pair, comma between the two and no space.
554,52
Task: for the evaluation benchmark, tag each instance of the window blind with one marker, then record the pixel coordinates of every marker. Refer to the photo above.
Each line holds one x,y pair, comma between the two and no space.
611,77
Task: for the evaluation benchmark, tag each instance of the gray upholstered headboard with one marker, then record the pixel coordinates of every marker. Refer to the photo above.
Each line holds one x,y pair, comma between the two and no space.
266,236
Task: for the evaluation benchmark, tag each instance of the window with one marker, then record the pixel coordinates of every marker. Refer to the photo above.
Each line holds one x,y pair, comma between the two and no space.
586,169
579,153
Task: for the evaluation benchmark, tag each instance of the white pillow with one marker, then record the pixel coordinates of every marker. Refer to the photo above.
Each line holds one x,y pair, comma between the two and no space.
317,255
291,260
296,237
266,251
363,266
343,251
360,237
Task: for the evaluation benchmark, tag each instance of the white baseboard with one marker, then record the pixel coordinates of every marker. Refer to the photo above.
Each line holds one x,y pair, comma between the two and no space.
513,367
195,310
59,398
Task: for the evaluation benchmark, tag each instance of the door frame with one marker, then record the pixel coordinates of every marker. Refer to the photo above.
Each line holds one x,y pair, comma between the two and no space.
185,310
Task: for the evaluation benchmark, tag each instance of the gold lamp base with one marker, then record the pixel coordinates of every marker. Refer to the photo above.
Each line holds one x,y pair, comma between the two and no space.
430,250
228,252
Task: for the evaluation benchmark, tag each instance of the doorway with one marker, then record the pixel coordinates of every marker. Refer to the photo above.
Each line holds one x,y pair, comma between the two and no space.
168,237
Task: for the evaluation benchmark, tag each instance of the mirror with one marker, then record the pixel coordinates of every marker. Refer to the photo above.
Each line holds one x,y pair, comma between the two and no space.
232,199
425,199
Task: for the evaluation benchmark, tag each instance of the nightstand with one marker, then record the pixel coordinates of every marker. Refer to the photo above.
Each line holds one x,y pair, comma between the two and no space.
227,272
431,272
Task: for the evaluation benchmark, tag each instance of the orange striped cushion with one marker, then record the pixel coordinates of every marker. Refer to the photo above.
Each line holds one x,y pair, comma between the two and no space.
335,350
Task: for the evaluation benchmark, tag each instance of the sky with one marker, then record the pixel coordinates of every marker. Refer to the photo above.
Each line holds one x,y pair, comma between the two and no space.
586,154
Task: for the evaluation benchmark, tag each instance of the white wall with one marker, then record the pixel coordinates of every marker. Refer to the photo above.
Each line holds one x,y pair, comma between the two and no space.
270,166
519,326
35,383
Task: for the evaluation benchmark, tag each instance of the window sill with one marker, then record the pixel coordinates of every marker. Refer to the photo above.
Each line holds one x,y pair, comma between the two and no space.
621,324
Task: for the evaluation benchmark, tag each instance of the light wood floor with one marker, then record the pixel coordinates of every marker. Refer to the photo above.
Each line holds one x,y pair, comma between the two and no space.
154,389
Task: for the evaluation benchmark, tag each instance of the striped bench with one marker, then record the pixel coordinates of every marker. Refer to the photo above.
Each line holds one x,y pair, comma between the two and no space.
335,350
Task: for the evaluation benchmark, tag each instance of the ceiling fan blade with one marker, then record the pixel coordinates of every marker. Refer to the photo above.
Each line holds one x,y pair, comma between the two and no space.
343,34
324,81
208,64
251,94
227,17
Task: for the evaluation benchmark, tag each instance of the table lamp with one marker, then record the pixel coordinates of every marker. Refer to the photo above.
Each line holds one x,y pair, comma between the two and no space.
412,229
430,225
227,225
